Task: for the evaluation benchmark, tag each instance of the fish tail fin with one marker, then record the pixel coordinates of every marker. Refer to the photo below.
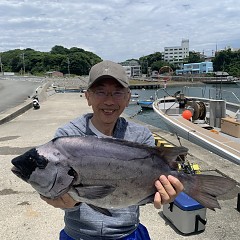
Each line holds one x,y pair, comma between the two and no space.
206,188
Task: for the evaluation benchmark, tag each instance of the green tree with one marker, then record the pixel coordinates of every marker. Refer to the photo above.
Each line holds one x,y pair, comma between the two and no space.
194,57
228,61
33,61
59,50
36,62
53,62
158,64
154,62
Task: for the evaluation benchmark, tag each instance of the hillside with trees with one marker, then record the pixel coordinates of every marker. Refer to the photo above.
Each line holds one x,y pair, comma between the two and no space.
227,61
68,61
77,61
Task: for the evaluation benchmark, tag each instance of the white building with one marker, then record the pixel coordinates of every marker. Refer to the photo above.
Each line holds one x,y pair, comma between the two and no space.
177,54
231,48
132,68
128,70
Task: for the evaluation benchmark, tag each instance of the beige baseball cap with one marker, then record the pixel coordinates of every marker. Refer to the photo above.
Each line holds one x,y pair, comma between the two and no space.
108,69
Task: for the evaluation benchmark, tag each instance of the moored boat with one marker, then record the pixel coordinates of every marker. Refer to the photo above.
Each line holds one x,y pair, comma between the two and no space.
145,104
134,98
213,124
221,81
135,95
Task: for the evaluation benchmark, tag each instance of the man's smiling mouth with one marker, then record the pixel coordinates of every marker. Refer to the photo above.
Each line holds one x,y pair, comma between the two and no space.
108,111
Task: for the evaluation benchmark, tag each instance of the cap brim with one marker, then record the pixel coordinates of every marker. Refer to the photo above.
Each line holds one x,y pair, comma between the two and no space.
124,84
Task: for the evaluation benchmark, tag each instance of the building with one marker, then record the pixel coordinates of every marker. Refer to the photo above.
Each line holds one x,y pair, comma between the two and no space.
196,68
231,48
54,74
128,70
8,73
132,68
177,54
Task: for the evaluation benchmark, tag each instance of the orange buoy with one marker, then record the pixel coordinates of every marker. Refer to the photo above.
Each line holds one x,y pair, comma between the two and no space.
214,131
187,114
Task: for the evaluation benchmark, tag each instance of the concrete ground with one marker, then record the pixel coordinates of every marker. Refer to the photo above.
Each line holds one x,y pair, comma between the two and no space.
25,216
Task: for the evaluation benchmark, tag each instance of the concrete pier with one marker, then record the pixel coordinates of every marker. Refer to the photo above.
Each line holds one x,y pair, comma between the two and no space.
25,216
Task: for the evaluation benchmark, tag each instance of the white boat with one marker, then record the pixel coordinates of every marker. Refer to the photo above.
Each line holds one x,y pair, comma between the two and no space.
135,95
133,101
134,98
210,123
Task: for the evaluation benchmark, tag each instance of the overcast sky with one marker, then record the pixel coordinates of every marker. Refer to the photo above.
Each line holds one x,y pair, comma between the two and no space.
119,29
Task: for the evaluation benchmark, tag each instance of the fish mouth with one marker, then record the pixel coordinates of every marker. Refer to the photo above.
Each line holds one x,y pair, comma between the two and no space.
17,171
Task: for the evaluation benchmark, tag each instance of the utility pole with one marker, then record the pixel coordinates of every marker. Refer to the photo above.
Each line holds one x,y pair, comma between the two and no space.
1,65
23,63
68,62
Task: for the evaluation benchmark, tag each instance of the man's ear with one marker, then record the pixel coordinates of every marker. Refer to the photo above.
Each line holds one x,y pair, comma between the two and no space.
128,98
87,95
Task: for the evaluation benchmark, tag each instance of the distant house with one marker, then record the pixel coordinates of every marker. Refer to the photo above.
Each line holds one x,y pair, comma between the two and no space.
128,70
133,71
8,73
132,68
196,68
54,74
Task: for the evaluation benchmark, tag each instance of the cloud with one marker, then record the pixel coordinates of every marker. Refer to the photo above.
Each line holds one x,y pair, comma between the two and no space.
119,29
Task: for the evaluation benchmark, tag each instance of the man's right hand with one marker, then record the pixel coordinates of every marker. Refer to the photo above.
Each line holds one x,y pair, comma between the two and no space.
65,201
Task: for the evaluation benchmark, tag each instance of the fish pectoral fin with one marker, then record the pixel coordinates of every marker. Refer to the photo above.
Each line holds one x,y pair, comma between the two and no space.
94,192
101,210
148,199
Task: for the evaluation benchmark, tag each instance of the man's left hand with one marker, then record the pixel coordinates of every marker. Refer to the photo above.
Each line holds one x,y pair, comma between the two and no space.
167,189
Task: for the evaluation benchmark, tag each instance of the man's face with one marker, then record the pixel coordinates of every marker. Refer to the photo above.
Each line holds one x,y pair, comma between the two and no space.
108,100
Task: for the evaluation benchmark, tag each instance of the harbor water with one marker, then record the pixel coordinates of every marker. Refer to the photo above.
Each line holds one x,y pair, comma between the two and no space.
228,92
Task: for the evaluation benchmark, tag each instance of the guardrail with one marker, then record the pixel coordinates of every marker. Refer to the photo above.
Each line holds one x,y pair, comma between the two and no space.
213,93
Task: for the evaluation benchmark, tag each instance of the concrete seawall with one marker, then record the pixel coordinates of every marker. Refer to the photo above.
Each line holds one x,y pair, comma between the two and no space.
43,93
15,112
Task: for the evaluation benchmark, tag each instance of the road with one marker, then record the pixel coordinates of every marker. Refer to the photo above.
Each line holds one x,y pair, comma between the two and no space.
14,91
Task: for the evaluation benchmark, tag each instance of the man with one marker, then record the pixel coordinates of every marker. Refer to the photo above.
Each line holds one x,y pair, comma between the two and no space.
108,94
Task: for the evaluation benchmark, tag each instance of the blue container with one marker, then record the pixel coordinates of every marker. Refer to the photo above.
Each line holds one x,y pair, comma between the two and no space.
186,203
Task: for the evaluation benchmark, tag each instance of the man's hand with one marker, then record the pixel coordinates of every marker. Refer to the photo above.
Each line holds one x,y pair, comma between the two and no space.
65,201
167,189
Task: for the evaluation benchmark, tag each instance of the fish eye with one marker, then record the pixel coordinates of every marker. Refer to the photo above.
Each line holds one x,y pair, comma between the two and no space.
31,159
37,160
41,162
72,173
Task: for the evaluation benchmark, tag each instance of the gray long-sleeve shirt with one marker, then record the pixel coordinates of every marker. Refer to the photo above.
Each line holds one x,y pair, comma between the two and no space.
84,223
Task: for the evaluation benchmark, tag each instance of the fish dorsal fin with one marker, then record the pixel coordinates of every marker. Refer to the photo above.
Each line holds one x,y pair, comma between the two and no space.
171,154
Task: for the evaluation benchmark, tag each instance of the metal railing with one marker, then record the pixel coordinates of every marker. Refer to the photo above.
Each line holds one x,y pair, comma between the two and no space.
213,93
